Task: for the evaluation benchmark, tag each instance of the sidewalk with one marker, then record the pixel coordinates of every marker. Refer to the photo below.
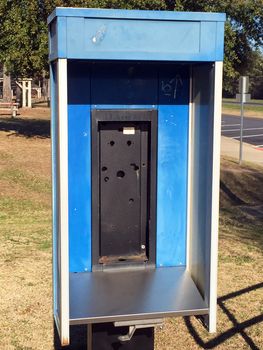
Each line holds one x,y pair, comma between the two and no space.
230,148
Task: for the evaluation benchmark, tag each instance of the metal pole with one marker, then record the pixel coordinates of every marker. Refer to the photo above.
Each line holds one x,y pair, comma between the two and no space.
241,124
89,336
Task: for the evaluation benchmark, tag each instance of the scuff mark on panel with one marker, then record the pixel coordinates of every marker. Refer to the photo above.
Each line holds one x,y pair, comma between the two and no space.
99,36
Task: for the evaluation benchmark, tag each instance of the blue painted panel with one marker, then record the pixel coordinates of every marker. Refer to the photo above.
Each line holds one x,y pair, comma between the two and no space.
173,97
124,84
75,36
208,35
124,106
79,167
110,36
62,37
220,41
172,166
137,14
53,40
105,34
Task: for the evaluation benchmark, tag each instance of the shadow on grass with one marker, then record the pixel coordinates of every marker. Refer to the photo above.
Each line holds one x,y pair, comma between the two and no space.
230,194
26,127
238,327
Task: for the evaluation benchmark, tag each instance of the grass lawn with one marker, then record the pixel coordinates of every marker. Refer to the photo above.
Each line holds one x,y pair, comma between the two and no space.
25,251
249,110
234,100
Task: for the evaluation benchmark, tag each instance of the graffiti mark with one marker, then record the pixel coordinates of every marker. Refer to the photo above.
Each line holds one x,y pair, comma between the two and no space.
170,88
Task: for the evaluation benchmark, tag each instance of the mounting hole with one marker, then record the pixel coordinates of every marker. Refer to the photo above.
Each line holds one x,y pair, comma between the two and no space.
104,168
134,166
129,142
143,164
122,259
106,179
131,200
120,174
112,143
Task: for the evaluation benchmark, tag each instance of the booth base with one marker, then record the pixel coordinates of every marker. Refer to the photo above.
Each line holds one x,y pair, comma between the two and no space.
105,336
120,295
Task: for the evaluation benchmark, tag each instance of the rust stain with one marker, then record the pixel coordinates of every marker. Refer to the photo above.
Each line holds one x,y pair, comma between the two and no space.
65,341
113,259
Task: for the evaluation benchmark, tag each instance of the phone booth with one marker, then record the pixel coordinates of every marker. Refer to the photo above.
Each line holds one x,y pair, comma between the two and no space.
136,117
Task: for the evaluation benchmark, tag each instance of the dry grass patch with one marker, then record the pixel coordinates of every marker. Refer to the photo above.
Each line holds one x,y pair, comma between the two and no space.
25,256
25,249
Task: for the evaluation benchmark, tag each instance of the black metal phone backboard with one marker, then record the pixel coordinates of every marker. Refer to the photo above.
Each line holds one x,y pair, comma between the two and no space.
123,186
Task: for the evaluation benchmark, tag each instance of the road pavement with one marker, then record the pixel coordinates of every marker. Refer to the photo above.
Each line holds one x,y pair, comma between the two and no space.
252,132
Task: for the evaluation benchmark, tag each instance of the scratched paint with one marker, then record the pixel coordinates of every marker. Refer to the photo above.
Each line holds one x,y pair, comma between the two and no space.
173,113
99,36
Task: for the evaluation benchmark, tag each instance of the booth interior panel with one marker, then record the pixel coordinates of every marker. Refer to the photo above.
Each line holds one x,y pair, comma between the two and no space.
202,156
132,295
124,84
127,84
173,115
79,173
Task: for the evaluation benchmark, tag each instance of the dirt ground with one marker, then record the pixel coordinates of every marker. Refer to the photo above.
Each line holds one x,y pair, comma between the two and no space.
25,251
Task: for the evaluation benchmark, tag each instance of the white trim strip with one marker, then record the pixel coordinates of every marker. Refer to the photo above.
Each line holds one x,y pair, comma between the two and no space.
215,195
63,199
246,136
189,172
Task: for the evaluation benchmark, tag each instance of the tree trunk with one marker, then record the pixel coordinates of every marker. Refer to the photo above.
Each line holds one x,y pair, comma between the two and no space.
7,92
44,85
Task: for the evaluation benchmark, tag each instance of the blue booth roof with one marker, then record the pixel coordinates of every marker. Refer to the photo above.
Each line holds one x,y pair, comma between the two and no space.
107,34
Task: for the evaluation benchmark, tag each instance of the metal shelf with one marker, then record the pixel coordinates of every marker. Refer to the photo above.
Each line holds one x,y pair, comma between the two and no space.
121,295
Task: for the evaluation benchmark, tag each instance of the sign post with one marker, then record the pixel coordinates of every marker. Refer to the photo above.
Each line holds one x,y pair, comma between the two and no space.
242,97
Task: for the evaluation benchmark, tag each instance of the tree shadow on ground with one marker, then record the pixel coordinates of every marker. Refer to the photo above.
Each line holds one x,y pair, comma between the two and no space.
232,196
238,327
26,127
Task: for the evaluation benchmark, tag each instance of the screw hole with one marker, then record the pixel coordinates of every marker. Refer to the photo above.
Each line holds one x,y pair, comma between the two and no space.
143,164
134,166
120,174
129,142
104,168
131,200
112,143
106,179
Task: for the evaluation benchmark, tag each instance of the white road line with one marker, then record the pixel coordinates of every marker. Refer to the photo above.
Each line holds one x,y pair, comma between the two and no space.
259,146
243,129
246,136
230,125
